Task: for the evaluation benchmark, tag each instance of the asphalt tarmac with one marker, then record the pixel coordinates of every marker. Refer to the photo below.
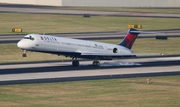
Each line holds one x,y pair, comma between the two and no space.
52,10
63,71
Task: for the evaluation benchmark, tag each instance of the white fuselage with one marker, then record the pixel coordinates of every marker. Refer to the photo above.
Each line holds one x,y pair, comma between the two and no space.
68,46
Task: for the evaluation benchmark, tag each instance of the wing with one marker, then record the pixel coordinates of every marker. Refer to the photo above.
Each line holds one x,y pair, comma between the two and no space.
99,53
104,56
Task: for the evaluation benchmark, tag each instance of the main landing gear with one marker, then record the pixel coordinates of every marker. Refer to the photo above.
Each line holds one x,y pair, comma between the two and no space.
96,63
75,63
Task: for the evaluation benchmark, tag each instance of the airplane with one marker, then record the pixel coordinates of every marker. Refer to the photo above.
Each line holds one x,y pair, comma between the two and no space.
77,48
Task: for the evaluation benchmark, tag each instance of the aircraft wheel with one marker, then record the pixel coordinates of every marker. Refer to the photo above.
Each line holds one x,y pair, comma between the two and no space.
75,63
24,55
96,63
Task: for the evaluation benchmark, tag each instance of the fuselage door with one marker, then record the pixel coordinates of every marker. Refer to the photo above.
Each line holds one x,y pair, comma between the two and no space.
37,41
34,41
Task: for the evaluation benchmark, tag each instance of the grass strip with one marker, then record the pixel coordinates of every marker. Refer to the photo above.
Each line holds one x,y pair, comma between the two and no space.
130,92
46,23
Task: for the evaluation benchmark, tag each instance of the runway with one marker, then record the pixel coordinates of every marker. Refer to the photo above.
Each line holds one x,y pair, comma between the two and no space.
52,10
63,71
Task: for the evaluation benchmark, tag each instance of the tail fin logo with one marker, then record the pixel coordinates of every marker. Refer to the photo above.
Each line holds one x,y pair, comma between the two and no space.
130,38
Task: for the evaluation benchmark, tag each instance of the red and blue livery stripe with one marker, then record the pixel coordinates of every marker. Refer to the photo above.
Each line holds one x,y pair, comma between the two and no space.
130,38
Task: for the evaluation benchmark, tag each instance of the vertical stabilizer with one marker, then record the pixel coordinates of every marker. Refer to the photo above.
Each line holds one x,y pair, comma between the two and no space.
130,38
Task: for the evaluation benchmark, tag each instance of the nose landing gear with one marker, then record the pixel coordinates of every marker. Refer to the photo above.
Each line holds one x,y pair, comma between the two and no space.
24,53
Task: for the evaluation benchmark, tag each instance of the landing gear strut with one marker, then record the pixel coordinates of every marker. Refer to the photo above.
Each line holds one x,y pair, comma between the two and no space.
24,53
96,63
75,63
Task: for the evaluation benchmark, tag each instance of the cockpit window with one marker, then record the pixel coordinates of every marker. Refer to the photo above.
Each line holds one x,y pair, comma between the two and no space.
26,38
29,37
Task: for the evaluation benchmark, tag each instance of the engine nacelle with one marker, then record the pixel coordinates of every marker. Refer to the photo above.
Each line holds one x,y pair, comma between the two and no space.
115,50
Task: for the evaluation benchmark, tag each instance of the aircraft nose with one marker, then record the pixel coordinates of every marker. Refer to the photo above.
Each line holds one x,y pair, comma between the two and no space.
22,44
19,44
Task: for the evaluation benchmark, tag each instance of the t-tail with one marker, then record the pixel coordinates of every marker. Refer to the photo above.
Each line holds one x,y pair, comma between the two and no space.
130,38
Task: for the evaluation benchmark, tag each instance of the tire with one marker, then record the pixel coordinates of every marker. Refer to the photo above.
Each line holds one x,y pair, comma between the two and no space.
96,63
75,63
